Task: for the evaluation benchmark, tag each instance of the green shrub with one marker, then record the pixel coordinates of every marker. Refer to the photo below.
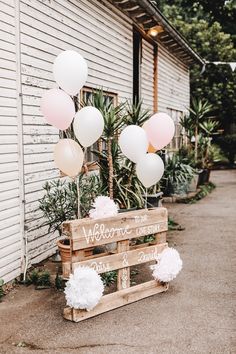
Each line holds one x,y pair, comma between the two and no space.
109,278
177,175
60,202
228,145
39,277
1,288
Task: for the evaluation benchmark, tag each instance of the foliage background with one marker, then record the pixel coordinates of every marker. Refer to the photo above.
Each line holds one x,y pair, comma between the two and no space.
210,28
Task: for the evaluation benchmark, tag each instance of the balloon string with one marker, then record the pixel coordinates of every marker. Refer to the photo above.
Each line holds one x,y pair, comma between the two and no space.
78,198
145,198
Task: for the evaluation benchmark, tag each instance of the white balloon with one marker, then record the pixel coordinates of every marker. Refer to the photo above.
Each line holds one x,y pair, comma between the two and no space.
150,169
70,71
133,142
88,125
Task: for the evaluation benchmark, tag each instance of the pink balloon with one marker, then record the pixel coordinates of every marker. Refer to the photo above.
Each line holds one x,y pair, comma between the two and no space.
58,108
160,130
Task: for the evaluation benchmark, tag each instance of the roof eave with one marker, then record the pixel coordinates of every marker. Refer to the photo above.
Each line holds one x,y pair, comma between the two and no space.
146,15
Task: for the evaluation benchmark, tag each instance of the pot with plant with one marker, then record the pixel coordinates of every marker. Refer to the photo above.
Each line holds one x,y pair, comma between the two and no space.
117,173
60,203
177,175
199,128
206,158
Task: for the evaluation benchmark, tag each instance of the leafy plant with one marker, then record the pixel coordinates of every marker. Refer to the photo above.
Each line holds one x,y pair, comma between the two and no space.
59,282
177,174
60,202
39,277
117,174
204,191
228,144
1,288
113,122
109,278
197,113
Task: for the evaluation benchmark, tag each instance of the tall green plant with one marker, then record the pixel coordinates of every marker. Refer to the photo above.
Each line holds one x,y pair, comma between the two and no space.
197,113
113,122
117,173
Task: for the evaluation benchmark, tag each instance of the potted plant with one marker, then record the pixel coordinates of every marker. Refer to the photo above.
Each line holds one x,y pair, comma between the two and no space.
208,128
60,203
117,173
199,128
177,175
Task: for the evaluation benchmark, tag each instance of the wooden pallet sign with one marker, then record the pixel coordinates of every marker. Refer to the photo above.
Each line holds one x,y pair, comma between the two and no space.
85,234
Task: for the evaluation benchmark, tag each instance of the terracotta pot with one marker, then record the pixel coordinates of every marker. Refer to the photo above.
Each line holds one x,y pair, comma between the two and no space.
64,249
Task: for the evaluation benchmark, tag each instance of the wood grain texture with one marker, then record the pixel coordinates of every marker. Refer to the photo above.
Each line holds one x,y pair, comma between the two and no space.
87,233
117,299
123,276
119,260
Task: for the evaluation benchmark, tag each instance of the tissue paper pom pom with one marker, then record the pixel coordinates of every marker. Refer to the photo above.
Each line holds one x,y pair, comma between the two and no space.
84,289
169,264
103,207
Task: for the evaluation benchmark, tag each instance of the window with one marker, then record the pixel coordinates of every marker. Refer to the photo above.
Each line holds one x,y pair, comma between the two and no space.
177,140
85,96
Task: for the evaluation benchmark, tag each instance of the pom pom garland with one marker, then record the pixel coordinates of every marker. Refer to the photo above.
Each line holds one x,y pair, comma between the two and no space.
169,264
103,207
84,289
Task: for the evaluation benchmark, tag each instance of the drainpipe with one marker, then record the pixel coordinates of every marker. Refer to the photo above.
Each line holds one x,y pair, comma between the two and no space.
24,255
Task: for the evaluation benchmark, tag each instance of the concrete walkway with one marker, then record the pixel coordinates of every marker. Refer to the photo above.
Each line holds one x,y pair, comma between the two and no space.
196,315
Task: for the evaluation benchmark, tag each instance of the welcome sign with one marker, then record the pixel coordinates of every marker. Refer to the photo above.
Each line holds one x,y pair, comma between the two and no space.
120,229
87,233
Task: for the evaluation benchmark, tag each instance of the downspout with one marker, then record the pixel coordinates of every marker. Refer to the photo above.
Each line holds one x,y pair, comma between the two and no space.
24,248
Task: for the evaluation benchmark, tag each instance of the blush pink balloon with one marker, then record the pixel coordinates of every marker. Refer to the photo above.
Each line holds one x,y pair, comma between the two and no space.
160,130
58,108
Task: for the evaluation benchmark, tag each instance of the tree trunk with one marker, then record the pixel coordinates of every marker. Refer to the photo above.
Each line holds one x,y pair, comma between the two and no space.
196,143
100,145
110,167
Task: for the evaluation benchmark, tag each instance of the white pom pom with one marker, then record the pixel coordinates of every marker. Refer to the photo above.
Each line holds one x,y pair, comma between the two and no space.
169,264
103,207
84,289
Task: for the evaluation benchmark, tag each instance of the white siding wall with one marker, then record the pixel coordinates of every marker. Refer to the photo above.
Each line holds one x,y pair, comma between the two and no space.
104,37
147,75
173,82
10,227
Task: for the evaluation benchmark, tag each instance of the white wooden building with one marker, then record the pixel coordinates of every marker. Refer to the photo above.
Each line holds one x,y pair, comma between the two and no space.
112,36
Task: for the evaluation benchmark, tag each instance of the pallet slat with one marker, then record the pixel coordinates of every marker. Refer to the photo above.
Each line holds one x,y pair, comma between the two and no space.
119,298
88,233
120,260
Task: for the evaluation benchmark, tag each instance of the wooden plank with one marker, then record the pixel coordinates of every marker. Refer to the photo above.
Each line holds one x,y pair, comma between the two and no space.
117,299
119,260
123,277
88,233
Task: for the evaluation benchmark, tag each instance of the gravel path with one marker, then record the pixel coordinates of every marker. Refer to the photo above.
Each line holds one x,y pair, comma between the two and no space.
196,315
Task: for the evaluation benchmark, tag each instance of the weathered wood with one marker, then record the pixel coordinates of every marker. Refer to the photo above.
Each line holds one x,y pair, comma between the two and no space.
117,299
123,277
126,258
66,270
87,233
145,222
